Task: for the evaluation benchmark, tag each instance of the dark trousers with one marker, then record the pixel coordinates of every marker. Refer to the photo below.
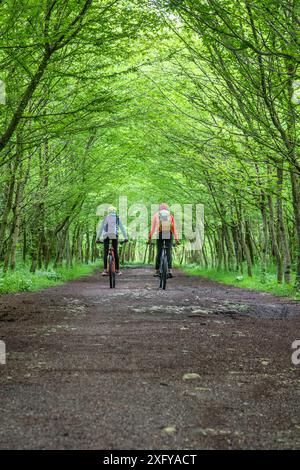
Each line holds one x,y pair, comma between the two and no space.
160,243
114,243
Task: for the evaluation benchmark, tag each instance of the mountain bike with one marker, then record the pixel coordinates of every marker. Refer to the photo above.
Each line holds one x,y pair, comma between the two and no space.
163,267
111,264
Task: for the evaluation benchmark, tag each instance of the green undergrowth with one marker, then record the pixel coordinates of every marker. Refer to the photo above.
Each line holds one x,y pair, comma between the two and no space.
135,264
21,279
253,283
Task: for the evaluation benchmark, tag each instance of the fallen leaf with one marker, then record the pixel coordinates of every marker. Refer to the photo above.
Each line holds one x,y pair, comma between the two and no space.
169,430
265,363
191,376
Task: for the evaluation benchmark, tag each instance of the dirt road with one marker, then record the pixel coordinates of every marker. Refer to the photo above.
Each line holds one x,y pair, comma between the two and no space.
94,368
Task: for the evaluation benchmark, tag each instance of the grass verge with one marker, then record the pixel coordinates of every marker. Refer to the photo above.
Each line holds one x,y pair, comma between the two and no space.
253,283
21,280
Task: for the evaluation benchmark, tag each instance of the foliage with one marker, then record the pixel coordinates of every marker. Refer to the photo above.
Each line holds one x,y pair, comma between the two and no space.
21,280
253,283
179,100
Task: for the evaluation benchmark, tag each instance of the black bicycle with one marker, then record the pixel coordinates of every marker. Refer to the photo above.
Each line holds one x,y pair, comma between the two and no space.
163,267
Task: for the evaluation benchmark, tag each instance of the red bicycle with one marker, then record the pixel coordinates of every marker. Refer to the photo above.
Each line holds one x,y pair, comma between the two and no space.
111,264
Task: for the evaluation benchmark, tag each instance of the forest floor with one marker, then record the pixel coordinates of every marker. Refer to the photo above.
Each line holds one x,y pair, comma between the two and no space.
93,368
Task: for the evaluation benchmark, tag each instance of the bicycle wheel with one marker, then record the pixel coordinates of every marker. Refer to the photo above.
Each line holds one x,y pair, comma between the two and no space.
112,274
161,272
165,273
114,279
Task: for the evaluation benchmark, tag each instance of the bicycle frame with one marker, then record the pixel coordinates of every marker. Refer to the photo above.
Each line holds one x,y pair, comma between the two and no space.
111,264
163,267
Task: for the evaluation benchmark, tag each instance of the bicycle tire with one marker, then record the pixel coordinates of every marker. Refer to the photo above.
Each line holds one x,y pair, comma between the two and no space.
161,273
165,273
112,274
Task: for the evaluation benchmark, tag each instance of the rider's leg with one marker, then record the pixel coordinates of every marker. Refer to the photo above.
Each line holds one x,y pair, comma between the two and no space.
105,255
159,246
117,259
169,244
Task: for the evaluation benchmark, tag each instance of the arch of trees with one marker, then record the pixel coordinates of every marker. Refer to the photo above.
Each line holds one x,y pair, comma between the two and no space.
183,100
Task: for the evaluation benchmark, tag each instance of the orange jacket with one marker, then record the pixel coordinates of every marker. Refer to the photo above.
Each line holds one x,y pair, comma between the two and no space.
155,226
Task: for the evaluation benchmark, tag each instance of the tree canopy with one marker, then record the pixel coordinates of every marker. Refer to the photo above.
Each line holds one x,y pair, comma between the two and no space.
184,101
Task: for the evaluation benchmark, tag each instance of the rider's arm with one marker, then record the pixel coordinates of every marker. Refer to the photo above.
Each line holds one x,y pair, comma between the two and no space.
122,229
100,230
153,226
173,228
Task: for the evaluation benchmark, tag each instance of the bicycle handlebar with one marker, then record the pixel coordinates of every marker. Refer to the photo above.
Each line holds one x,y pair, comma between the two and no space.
121,242
153,243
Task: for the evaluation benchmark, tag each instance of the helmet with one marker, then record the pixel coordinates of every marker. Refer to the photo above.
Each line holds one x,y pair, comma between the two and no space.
112,209
163,206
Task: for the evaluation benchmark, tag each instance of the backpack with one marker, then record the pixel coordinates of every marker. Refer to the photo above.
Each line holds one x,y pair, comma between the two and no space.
164,218
111,226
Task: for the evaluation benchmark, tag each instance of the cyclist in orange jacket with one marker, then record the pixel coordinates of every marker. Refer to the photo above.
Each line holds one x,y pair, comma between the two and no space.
163,223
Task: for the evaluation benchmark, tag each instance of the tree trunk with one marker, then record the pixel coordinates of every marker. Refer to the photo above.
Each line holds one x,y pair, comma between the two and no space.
87,247
295,180
279,267
265,239
282,235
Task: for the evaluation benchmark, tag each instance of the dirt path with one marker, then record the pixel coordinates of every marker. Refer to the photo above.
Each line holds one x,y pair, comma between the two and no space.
94,368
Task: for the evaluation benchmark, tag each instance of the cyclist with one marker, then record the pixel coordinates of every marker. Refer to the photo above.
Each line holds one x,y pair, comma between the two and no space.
163,222
110,230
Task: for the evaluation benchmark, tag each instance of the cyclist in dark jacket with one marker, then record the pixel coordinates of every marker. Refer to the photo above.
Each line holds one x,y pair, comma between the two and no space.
109,229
